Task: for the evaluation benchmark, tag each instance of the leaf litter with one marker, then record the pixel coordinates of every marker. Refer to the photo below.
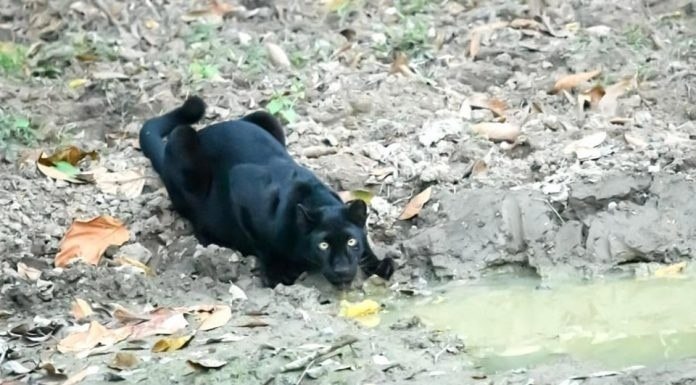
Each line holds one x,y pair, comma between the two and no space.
87,240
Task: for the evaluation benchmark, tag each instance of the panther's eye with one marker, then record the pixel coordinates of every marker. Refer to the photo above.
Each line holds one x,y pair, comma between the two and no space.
352,242
323,246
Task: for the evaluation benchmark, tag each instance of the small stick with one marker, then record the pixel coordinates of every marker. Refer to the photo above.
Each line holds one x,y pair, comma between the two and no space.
318,356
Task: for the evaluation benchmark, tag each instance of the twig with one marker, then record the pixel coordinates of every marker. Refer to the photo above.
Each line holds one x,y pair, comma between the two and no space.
318,356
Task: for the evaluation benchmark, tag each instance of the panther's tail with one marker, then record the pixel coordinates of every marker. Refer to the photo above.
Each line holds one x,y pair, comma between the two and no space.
154,130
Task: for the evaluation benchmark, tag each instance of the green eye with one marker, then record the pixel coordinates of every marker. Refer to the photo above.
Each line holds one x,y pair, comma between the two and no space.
352,242
323,246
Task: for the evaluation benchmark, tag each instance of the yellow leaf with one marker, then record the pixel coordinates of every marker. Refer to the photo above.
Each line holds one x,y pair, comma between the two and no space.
415,205
671,271
171,344
358,309
364,195
76,83
88,240
220,316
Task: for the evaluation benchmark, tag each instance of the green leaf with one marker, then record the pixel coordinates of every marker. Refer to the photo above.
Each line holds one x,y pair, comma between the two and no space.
21,123
274,106
67,168
289,114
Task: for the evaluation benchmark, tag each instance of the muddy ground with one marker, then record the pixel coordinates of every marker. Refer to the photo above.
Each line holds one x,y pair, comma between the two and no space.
91,72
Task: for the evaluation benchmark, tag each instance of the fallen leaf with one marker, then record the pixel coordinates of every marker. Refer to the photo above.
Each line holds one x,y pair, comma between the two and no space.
277,55
124,361
81,309
77,83
585,148
479,100
477,33
399,64
15,367
415,205
125,261
161,321
608,104
60,171
474,44
171,344
527,24
335,5
479,168
593,95
671,271
229,337
220,316
128,184
364,195
569,82
126,316
95,335
497,132
364,312
89,239
255,323
237,293
27,272
69,154
214,14
109,75
205,364
635,141
81,375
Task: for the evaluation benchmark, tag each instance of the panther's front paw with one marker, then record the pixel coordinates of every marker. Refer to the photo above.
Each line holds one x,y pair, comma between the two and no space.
386,268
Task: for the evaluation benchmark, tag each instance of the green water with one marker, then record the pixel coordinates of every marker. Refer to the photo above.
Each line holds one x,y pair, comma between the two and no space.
509,323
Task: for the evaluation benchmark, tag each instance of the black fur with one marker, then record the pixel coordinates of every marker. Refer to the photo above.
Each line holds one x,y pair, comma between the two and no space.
239,187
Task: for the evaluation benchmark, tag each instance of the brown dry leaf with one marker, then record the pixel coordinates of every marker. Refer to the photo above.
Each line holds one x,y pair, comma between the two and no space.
609,103
399,64
214,14
636,141
255,323
126,316
497,132
128,184
69,154
594,95
81,375
277,55
171,344
569,82
479,168
124,361
527,24
477,33
415,205
206,363
89,239
220,316
81,309
161,321
95,335
479,100
27,272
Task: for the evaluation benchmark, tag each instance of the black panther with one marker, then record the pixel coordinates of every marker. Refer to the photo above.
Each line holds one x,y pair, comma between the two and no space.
239,187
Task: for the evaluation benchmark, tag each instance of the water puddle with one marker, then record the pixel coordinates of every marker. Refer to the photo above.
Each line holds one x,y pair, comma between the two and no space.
509,323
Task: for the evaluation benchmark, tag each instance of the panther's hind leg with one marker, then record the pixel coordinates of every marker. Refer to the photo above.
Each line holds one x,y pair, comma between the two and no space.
184,156
269,123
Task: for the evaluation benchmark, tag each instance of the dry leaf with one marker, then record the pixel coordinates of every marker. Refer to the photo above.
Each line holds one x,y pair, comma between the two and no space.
527,24
124,361
635,141
126,316
364,195
364,312
585,148
477,33
497,132
161,321
81,375
125,261
479,168
474,44
400,64
27,272
204,364
569,82
81,309
335,5
415,205
479,100
171,344
128,184
608,104
214,14
109,75
671,271
89,239
229,337
220,316
77,83
255,323
69,154
278,55
593,95
95,335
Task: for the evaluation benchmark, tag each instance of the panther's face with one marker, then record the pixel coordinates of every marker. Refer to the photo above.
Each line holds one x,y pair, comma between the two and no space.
335,240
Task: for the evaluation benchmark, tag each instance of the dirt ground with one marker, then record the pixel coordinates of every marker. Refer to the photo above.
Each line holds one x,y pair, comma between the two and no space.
584,189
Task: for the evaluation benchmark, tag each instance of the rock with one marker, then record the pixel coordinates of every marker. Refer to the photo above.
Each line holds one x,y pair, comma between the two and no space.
218,263
135,251
434,131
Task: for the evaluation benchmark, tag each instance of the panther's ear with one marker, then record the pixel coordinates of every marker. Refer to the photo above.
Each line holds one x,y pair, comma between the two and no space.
356,211
306,218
